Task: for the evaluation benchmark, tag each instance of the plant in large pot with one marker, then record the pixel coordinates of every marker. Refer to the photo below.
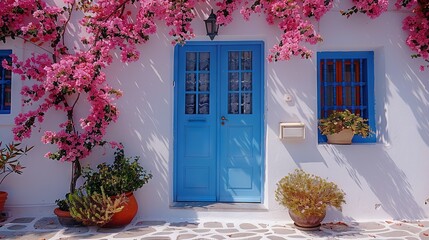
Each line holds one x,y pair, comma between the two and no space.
340,127
124,176
307,196
9,163
95,208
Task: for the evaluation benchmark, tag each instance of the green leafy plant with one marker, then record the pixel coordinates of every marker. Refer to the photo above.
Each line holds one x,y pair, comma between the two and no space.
124,175
62,204
341,120
308,195
94,208
9,159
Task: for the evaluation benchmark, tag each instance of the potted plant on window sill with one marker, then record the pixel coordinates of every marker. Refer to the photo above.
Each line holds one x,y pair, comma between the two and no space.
340,127
124,176
307,196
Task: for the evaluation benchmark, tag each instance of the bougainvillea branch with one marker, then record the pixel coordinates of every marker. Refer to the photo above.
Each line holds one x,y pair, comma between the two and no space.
292,18
417,24
64,76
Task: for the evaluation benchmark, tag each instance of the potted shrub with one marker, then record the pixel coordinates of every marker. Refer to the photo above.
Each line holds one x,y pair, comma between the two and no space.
307,196
9,163
94,208
124,176
63,213
340,127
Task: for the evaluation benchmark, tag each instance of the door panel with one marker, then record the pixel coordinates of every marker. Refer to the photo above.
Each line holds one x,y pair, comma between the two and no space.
196,121
240,152
218,123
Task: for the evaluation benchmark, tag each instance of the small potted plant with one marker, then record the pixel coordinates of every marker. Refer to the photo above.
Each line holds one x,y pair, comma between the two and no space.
307,196
63,213
124,176
9,163
340,127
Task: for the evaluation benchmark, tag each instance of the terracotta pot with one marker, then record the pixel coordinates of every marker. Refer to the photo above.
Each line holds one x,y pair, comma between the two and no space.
3,198
344,137
307,223
65,219
127,214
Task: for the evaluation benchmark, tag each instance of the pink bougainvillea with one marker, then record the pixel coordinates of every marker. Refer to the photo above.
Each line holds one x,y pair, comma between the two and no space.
292,18
63,76
372,8
417,26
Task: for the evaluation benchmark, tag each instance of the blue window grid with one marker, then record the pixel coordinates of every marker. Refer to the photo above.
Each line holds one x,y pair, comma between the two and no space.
360,87
197,92
5,84
240,91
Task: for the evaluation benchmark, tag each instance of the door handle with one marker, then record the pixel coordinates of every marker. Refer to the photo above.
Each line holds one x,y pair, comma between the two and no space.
223,118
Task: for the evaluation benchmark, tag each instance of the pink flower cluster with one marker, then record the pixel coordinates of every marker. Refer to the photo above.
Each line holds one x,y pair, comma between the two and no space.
292,18
372,8
63,78
417,25
32,19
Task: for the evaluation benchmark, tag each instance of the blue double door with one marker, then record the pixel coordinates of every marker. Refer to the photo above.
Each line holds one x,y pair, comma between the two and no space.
218,122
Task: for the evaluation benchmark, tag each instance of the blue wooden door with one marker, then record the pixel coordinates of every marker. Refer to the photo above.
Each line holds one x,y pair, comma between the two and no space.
218,122
240,160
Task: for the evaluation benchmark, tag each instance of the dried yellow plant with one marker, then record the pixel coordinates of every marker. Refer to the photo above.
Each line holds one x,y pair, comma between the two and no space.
308,195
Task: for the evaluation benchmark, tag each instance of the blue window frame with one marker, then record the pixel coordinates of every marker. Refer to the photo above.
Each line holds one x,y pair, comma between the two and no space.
5,84
345,80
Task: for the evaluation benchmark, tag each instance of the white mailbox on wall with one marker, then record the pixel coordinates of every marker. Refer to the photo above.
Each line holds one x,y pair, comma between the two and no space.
292,130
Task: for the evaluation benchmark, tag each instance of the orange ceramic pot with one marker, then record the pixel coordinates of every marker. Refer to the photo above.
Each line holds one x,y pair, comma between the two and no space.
3,198
127,214
65,219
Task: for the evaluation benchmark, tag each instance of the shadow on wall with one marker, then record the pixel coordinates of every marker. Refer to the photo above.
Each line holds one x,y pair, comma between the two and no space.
376,169
384,178
145,123
300,109
415,92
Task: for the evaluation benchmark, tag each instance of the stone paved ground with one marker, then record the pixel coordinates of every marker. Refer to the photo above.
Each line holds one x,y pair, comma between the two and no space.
45,228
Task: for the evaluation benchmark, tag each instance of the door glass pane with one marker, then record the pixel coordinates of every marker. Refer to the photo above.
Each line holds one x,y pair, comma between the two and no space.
190,104
190,82
246,81
246,60
233,81
233,60
233,103
204,82
203,104
246,103
204,61
191,61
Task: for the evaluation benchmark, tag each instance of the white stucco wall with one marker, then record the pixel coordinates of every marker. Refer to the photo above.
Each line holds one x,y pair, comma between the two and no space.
391,174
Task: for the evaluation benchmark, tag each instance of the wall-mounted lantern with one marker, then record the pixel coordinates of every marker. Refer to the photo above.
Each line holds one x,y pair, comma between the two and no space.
211,26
